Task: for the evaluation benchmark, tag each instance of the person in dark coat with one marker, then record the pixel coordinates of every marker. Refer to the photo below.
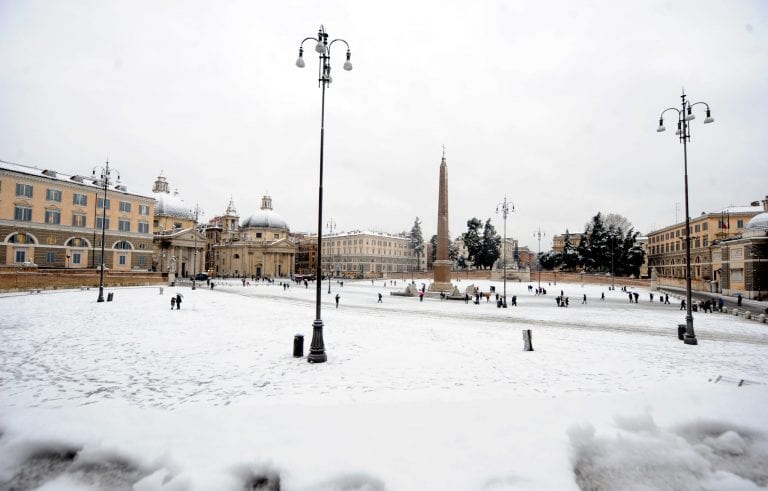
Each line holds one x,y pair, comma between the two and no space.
337,300
379,298
682,305
178,301
585,299
173,302
738,300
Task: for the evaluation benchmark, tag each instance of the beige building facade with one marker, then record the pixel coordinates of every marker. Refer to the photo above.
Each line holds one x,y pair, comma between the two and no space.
367,254
259,246
54,220
666,247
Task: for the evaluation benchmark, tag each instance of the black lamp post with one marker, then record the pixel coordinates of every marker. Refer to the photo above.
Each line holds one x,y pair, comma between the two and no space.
323,49
331,228
684,115
104,178
194,252
538,234
503,207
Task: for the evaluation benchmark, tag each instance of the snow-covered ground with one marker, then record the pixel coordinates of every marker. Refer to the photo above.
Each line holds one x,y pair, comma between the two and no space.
414,396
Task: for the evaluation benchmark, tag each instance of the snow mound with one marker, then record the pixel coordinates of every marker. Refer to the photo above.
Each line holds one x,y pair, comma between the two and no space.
709,455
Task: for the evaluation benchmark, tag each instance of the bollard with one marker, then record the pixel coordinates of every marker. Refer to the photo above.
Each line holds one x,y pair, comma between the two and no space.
761,318
735,312
747,314
527,341
161,290
298,346
725,310
110,295
681,331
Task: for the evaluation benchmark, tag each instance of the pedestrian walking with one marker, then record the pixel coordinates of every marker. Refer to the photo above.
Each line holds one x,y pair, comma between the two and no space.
379,298
602,296
566,302
738,300
720,304
636,295
337,300
651,294
585,299
514,300
682,305
421,296
630,297
466,298
178,301
666,298
557,299
173,302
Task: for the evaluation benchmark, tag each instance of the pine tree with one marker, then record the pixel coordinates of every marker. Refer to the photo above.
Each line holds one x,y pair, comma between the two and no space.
417,240
433,252
570,257
491,245
472,241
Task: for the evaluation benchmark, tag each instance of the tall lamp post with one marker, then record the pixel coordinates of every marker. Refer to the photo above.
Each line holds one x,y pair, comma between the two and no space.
331,228
194,253
684,116
323,49
105,176
504,209
538,234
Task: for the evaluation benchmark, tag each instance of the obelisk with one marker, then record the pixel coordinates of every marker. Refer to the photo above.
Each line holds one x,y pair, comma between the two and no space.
442,265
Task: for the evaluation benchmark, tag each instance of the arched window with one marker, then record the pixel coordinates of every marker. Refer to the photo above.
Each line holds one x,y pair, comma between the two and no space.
236,256
77,242
21,238
123,244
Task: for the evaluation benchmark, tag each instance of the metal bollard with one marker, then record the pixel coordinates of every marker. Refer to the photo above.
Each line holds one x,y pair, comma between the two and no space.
527,341
298,346
681,331
110,296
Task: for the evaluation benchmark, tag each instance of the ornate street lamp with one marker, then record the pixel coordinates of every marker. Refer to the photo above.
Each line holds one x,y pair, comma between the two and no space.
104,180
197,211
684,115
323,49
504,209
331,228
538,234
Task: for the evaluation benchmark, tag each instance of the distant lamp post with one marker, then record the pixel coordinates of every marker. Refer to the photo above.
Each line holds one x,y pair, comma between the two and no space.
684,115
538,234
331,228
105,180
504,209
197,211
323,49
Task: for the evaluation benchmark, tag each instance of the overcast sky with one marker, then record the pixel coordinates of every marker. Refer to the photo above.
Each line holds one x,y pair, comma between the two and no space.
553,104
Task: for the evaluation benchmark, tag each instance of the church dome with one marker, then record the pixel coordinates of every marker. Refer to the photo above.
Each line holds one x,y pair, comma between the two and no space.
758,223
170,204
265,218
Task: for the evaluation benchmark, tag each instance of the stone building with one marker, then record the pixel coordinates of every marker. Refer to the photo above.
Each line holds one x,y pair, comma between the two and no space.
306,253
558,241
54,220
366,254
178,245
260,246
666,246
740,263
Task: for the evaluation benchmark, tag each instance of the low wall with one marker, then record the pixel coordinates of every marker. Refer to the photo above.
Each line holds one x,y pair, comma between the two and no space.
592,279
13,279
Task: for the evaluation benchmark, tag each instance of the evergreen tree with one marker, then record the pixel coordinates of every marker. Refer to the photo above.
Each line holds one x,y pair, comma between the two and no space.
549,260
491,245
417,240
453,252
433,252
570,257
472,241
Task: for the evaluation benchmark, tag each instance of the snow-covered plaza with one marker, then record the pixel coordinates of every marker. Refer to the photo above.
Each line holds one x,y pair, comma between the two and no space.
432,395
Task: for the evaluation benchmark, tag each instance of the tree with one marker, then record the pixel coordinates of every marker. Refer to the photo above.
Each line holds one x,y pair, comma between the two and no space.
570,256
417,240
491,245
433,252
618,221
549,260
608,248
473,242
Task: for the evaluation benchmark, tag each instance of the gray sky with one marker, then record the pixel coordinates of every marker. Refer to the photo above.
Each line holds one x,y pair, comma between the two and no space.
553,104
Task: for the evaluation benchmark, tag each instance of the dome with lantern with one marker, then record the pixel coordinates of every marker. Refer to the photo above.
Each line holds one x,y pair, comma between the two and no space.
266,217
170,204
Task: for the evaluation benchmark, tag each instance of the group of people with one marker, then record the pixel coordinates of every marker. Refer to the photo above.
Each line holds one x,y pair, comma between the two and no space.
176,301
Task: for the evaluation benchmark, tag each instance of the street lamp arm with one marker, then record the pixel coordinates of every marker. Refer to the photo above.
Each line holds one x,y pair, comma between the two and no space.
340,40
307,39
700,102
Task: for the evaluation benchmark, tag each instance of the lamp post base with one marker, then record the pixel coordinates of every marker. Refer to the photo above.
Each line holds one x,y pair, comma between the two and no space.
690,339
101,294
317,348
690,336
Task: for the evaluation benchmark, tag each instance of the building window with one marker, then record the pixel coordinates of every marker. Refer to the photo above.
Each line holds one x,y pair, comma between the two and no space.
79,199
23,190
143,209
176,225
142,260
22,213
277,236
258,235
124,225
704,226
125,206
100,203
123,244
78,242
100,220
143,227
78,220
53,217
76,258
705,241
21,255
696,228
53,195
737,275
739,223
122,259
50,257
